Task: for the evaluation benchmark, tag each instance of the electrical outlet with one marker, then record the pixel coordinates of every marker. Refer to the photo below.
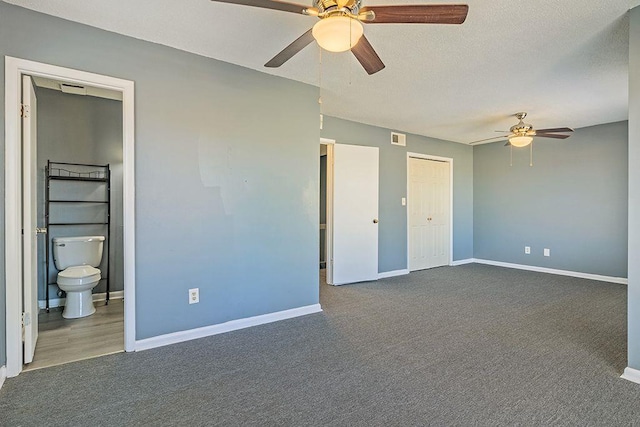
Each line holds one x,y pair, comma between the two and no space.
547,252
527,250
194,296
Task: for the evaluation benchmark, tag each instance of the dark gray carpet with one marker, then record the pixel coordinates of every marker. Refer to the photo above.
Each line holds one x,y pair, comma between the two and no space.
468,345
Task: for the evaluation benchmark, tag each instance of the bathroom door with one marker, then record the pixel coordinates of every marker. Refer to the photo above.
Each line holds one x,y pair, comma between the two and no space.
355,214
29,207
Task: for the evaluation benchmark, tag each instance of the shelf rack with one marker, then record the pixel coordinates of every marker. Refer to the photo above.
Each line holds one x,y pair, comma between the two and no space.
79,172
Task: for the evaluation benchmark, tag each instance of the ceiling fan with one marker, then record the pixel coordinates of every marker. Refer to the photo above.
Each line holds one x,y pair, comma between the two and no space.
521,134
340,26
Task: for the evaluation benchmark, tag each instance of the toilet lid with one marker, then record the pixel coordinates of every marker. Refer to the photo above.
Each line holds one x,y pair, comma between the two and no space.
78,272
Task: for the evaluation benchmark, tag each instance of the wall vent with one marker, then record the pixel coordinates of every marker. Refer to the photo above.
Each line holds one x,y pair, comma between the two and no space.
73,89
398,139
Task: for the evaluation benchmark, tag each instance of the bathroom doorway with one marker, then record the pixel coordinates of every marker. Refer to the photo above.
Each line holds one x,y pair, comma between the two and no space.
23,301
323,206
79,195
323,215
326,211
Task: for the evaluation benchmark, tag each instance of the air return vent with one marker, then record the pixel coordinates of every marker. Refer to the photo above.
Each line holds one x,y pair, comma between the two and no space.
73,89
398,139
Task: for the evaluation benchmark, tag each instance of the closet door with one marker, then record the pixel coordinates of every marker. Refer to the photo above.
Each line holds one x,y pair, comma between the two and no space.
429,213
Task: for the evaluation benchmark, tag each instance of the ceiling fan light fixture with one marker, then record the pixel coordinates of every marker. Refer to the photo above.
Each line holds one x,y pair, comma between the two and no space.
520,140
337,33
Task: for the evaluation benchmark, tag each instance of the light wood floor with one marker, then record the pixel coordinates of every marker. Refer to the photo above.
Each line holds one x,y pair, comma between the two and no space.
63,340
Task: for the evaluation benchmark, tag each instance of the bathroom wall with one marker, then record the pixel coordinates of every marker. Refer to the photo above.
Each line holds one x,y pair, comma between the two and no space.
80,129
573,200
392,237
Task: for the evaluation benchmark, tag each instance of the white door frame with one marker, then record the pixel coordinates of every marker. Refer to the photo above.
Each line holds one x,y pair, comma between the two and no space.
14,69
440,159
328,233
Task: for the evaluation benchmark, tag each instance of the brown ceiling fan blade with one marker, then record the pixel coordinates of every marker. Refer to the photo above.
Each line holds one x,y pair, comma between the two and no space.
268,4
418,14
497,138
552,135
367,56
288,52
554,130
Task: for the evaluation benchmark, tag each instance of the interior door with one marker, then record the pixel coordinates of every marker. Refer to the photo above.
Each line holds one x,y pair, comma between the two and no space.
429,213
355,214
29,209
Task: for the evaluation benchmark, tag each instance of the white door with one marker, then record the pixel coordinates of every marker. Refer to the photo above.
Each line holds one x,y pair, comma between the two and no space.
355,214
29,206
429,213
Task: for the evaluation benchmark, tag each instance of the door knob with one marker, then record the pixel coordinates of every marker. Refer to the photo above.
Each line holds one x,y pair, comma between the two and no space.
375,221
40,230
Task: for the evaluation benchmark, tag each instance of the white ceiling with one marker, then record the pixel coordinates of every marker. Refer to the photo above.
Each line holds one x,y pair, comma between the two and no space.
565,62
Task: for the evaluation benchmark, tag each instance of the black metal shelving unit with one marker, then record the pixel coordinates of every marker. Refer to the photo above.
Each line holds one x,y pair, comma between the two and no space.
77,172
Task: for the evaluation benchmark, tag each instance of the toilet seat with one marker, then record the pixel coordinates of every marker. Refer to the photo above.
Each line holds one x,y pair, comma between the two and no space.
78,275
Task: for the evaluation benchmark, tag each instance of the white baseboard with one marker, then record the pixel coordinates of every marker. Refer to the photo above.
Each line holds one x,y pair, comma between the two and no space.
631,375
59,302
221,328
3,375
393,273
462,262
619,280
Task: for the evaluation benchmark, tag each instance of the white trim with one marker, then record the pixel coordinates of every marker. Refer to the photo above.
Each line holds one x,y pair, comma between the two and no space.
3,375
14,69
222,328
631,374
393,273
440,159
619,280
59,302
12,223
462,262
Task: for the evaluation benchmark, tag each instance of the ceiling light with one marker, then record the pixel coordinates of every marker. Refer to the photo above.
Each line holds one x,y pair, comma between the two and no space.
337,33
520,141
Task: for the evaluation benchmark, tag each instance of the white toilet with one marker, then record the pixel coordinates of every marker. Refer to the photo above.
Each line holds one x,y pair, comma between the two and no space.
76,258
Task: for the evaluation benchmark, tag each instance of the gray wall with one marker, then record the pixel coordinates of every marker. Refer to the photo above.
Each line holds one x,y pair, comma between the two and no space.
206,134
633,298
80,129
215,208
392,251
572,201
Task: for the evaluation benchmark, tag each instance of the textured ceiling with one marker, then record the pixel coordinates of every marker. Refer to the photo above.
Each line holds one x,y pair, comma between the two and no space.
565,62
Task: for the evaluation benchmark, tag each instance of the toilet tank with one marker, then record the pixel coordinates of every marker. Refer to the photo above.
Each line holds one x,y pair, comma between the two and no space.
72,251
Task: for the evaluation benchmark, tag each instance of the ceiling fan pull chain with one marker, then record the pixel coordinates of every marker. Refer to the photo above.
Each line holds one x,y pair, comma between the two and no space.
511,155
320,79
350,62
320,87
531,154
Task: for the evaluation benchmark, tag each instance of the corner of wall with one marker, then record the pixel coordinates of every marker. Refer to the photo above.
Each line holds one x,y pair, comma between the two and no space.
3,375
631,374
633,313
